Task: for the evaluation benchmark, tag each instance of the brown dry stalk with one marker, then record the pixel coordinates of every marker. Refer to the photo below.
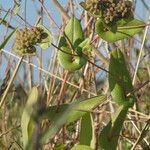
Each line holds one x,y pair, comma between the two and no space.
10,82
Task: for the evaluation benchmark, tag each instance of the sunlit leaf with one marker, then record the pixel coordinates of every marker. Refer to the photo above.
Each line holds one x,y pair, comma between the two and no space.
60,147
125,29
73,43
73,31
81,147
84,47
67,113
87,136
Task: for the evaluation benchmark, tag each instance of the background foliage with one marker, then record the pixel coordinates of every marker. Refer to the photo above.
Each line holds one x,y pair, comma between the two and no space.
101,101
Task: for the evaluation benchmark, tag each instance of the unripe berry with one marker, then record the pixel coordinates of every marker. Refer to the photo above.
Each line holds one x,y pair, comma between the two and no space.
27,38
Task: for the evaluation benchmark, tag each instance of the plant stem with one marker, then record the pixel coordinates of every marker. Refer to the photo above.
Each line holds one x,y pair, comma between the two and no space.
140,53
61,10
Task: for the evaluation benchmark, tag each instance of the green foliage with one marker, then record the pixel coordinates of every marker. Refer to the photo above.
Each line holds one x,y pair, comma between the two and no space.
60,147
73,31
109,135
123,29
120,83
41,122
67,113
81,147
47,38
27,123
87,135
72,44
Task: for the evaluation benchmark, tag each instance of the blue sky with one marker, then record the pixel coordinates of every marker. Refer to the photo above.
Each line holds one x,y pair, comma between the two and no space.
31,14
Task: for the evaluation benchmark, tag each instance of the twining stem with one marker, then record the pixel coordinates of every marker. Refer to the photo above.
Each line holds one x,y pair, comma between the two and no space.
63,50
10,82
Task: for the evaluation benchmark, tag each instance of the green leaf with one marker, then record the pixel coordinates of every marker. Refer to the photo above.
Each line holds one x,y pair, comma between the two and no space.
84,47
60,147
109,135
73,31
120,83
87,135
66,61
72,43
142,74
125,29
3,19
67,113
27,124
81,147
7,39
46,42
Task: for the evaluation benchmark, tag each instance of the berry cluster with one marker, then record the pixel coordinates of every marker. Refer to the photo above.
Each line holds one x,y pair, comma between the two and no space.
92,6
113,11
26,39
109,10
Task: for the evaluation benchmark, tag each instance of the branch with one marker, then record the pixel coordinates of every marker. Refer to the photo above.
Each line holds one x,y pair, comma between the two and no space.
61,9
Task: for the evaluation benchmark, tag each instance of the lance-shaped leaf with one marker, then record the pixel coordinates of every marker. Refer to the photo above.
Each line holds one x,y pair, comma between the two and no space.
120,83
125,29
27,124
73,31
67,113
7,39
109,135
87,132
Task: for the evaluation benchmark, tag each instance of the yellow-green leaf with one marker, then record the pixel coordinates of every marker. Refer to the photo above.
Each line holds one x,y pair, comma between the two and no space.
81,147
67,113
125,29
26,119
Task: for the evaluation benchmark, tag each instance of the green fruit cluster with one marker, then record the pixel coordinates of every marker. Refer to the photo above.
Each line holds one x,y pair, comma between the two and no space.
115,10
92,6
109,10
26,40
